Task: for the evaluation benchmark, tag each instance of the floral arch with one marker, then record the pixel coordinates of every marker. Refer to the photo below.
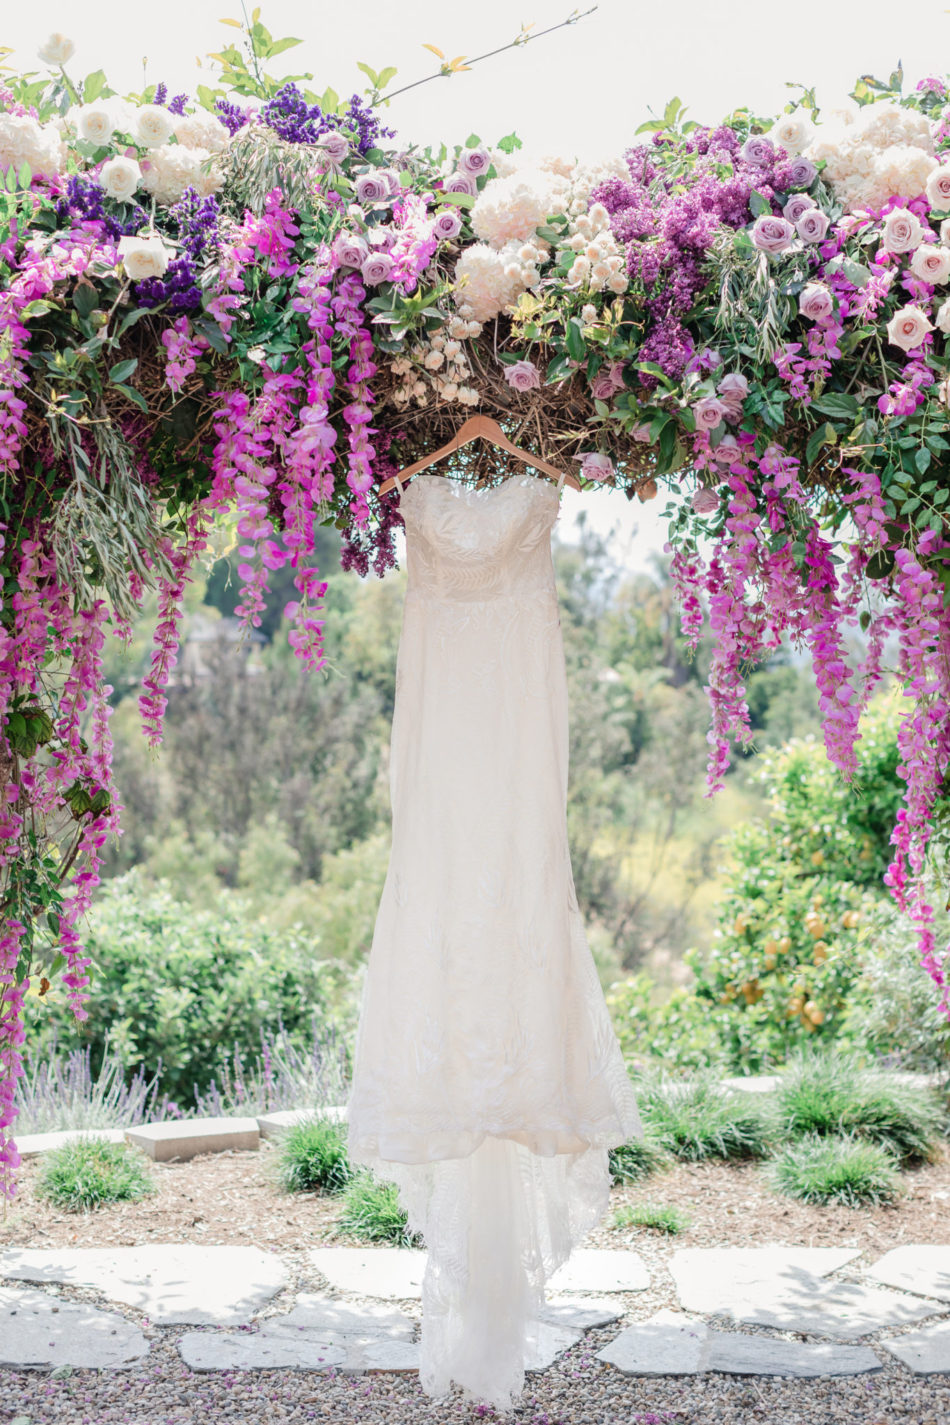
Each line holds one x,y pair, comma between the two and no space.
259,304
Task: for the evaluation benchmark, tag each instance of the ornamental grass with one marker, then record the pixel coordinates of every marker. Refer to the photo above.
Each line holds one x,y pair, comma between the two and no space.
84,1173
837,1168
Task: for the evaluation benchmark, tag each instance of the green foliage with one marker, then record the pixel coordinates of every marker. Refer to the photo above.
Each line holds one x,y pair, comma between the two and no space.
371,1210
678,1030
831,1093
177,990
312,1155
786,952
847,1170
695,1118
83,1173
635,1160
669,1219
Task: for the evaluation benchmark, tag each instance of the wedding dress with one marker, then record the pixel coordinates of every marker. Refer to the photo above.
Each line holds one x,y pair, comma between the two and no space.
488,1083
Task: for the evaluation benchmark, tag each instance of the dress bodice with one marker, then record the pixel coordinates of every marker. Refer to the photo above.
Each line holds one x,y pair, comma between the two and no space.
467,544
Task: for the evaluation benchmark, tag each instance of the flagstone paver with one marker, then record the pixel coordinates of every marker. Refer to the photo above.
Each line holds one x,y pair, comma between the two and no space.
321,1314
670,1343
580,1312
41,1330
275,1125
182,1138
252,1350
171,1283
925,1352
32,1144
842,1309
925,1270
601,1269
712,1279
394,1273
544,1343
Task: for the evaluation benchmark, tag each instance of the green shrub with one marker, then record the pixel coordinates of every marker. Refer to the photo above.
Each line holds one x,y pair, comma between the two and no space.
177,990
654,1030
825,1094
635,1160
312,1155
669,1219
83,1173
696,1118
371,1210
842,1169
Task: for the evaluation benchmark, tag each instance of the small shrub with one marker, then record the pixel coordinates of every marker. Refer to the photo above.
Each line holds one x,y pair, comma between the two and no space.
658,1218
843,1169
372,1210
312,1155
635,1160
826,1093
696,1118
86,1172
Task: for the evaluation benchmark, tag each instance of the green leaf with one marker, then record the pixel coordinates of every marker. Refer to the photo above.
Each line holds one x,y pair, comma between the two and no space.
461,200
85,299
922,460
135,396
472,141
123,369
371,74
837,404
856,272
509,143
93,85
279,46
386,76
880,564
654,370
824,435
574,341
214,334
24,176
758,204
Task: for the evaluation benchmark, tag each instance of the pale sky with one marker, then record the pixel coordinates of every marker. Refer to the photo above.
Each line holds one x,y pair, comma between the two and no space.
582,90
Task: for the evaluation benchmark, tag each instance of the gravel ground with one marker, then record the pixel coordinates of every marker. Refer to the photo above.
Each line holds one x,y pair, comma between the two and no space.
231,1198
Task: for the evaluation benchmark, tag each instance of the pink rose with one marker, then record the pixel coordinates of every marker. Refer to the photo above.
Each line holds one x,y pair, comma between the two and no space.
772,234
931,263
727,451
447,224
798,203
642,434
474,161
938,189
523,376
812,225
376,268
709,412
705,501
734,386
607,382
595,466
816,302
902,231
908,327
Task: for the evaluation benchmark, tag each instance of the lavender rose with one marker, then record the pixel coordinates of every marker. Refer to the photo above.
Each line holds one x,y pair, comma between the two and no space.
734,385
447,224
350,249
381,238
902,231
475,161
757,150
372,188
709,412
798,204
772,234
816,302
523,376
606,383
908,327
727,451
705,501
376,268
459,182
812,225
801,173
334,144
595,466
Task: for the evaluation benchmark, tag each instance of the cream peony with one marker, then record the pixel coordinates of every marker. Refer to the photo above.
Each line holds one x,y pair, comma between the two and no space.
481,284
908,327
931,263
512,208
95,123
793,132
153,125
172,168
120,177
23,140
56,49
902,231
202,130
144,257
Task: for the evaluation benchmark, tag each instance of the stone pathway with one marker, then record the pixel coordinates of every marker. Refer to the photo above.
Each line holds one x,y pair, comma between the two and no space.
222,1288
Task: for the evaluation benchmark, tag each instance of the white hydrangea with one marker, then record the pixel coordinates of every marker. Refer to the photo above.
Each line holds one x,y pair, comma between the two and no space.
514,207
879,151
172,168
481,283
202,130
23,140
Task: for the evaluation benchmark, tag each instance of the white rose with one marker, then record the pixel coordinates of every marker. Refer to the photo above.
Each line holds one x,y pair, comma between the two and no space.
120,177
938,189
57,49
95,123
144,256
902,231
908,327
153,125
943,317
792,132
931,263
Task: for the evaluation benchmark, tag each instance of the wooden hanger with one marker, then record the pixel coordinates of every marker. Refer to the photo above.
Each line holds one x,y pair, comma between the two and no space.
488,429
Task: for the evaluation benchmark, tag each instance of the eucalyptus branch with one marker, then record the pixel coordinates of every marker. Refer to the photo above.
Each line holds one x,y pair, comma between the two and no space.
449,68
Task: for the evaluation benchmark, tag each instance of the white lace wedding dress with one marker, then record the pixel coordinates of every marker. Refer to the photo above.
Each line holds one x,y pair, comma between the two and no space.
488,1082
